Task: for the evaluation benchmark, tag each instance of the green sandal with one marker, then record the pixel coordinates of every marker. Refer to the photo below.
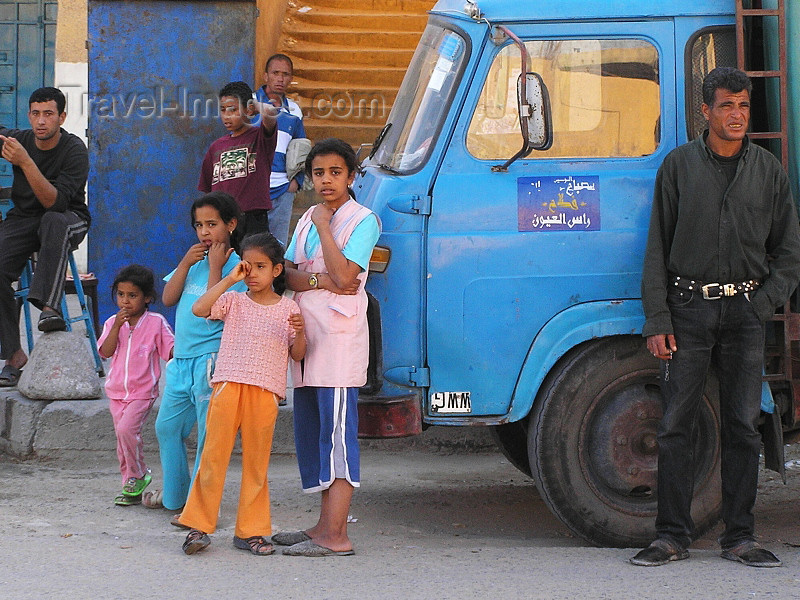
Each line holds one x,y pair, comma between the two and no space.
135,487
125,500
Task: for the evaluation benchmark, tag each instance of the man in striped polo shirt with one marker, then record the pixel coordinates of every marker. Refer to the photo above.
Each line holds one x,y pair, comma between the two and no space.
277,76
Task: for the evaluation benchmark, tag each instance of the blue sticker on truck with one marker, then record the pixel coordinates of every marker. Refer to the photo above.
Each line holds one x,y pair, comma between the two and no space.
564,203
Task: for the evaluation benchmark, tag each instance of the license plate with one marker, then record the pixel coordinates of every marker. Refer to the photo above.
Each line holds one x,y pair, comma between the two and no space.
451,403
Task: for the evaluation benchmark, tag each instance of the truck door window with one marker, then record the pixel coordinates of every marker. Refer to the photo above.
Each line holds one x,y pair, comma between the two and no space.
422,101
709,49
604,96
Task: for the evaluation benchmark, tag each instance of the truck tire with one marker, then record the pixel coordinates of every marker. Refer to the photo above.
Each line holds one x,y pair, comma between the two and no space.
593,450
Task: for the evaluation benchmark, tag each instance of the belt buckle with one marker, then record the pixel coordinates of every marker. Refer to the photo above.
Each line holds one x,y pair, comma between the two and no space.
706,289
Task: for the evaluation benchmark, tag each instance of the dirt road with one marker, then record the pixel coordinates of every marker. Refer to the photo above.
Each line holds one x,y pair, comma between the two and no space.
425,525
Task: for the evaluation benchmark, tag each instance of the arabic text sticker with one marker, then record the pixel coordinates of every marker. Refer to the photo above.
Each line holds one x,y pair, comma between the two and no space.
564,203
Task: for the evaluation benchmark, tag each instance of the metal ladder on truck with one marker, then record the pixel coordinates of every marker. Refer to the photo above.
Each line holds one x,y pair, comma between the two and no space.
779,368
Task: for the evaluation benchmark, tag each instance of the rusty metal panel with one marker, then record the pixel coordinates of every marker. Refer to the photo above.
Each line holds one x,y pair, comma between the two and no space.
155,68
398,416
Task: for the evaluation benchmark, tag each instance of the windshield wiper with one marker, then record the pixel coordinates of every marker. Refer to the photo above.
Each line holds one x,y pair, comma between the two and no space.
379,140
391,170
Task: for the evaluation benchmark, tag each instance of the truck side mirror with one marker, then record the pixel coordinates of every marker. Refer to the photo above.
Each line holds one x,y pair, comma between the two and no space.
533,102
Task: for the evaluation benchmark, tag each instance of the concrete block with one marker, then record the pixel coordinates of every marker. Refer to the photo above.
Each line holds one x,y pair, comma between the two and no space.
20,420
68,425
61,367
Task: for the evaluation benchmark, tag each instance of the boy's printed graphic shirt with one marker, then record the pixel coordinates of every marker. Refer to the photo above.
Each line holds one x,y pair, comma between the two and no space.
241,167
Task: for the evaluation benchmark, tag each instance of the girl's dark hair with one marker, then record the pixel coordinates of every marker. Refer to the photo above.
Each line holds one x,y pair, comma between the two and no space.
273,249
141,277
226,207
333,146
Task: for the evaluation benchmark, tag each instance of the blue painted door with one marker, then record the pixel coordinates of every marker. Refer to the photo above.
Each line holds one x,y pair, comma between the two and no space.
506,251
155,69
27,60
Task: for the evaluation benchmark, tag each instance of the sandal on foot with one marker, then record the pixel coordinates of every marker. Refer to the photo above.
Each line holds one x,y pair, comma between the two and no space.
309,548
9,376
125,500
176,522
256,545
196,540
290,538
135,487
153,499
752,554
50,320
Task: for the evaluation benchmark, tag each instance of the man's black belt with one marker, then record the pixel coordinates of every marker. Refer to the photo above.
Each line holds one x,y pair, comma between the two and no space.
714,291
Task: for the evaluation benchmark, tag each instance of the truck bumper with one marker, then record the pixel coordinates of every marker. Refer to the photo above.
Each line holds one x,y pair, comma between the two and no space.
389,417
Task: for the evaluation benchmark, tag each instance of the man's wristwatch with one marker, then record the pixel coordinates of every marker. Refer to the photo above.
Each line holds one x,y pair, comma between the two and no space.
313,281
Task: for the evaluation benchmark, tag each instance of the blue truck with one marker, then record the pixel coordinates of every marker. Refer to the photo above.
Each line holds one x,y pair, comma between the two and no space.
514,181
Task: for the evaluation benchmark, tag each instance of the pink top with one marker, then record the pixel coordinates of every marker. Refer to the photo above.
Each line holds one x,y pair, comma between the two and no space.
135,366
336,327
255,341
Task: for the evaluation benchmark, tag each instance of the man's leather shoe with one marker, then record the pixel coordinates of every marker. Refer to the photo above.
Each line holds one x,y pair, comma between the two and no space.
660,552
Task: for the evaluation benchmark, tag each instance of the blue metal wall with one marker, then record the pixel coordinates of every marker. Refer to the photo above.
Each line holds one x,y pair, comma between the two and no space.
155,68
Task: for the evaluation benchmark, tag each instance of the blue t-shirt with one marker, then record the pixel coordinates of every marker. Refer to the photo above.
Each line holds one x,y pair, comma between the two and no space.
196,336
357,249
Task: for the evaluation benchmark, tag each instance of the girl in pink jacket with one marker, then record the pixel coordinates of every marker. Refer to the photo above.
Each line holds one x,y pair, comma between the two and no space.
136,340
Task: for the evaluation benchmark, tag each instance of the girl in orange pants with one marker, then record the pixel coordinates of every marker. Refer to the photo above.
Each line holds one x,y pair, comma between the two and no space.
262,328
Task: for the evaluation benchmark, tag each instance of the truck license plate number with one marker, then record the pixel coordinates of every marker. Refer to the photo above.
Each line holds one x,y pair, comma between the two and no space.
451,403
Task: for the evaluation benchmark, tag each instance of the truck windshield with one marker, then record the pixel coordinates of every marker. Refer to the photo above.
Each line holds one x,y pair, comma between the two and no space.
422,102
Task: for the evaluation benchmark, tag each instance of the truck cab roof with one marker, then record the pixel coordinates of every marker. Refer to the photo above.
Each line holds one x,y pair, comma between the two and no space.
543,10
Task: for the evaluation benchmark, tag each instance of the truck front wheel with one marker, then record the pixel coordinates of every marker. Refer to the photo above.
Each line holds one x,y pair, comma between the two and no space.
593,450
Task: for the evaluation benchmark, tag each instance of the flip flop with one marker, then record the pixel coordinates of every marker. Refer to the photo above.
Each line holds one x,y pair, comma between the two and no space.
290,538
175,521
50,320
135,487
9,376
309,548
123,500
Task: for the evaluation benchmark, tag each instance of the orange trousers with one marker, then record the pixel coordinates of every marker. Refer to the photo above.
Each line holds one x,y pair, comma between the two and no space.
234,407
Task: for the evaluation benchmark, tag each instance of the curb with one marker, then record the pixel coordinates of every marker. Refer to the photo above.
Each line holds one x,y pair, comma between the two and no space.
48,428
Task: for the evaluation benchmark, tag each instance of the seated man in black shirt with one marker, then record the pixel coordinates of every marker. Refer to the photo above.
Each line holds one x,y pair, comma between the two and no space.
49,216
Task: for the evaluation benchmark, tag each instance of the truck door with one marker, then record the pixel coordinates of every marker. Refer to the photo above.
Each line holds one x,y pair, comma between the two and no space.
509,250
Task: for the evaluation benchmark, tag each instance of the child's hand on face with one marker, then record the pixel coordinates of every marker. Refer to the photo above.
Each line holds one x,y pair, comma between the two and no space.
194,254
240,271
123,316
321,215
297,323
218,255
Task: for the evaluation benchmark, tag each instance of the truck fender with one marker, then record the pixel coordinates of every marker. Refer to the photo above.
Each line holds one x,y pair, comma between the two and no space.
567,329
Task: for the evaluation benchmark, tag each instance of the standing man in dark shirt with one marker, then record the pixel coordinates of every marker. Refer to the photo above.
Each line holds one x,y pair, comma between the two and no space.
49,216
722,253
